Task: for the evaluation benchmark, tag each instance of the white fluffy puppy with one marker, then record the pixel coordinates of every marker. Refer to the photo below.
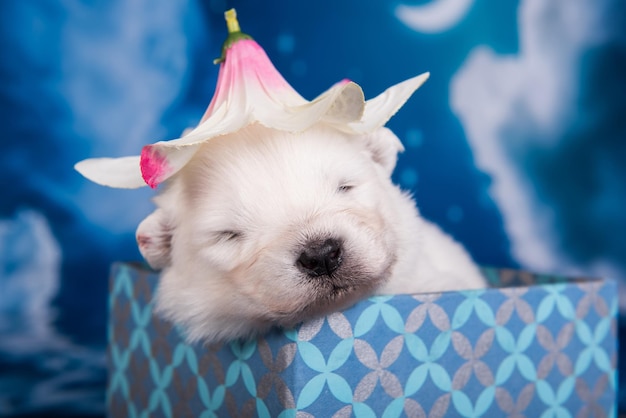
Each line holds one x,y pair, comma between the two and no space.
266,228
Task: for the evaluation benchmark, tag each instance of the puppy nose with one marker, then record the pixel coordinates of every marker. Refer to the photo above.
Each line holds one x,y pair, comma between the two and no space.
320,258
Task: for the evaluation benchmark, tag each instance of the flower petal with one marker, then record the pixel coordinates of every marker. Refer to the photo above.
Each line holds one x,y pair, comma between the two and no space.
158,164
247,74
122,173
380,109
347,103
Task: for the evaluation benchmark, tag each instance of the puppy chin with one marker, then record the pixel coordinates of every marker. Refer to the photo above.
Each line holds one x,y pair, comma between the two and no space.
338,292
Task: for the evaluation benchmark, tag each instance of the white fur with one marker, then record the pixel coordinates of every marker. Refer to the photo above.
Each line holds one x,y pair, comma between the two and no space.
230,227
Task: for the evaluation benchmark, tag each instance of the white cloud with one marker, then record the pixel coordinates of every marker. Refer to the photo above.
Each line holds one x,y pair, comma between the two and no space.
66,374
122,74
30,259
518,110
125,65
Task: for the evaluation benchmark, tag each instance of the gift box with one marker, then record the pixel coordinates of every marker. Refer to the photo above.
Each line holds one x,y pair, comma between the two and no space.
530,345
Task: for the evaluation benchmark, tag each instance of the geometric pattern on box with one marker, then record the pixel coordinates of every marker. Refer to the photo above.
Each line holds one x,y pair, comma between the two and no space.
533,346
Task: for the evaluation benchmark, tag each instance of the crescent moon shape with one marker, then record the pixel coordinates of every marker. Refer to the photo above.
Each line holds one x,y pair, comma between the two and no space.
434,17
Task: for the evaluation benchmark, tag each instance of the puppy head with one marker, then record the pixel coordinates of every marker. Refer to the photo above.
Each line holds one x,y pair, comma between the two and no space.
266,228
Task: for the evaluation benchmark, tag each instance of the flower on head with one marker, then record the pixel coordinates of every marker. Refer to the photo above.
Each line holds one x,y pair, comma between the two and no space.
250,90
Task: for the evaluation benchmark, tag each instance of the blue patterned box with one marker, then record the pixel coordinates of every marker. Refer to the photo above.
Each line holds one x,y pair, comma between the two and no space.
535,346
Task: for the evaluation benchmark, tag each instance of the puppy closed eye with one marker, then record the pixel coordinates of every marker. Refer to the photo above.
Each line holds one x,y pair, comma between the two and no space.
228,236
345,187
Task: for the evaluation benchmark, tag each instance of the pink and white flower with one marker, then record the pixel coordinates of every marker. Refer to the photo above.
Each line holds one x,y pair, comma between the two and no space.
250,90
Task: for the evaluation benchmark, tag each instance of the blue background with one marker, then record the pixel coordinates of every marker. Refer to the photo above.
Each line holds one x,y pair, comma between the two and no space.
516,145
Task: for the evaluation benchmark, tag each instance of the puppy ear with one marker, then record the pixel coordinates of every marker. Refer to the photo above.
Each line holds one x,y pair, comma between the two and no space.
384,146
154,238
